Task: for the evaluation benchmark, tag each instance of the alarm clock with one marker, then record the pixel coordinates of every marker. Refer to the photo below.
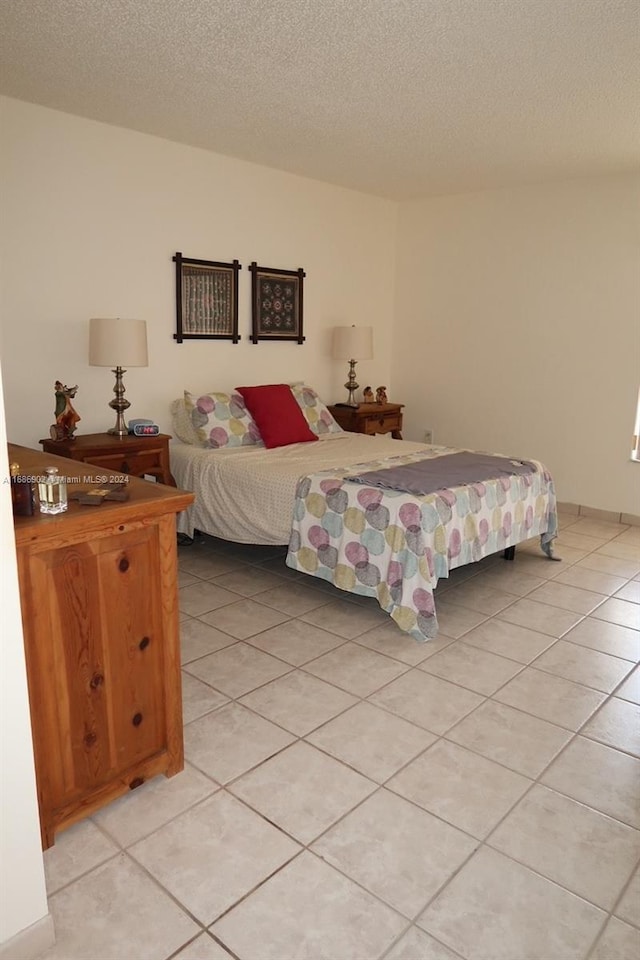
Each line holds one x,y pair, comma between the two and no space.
143,428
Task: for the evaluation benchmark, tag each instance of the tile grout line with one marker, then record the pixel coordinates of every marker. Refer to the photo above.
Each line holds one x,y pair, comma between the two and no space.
381,786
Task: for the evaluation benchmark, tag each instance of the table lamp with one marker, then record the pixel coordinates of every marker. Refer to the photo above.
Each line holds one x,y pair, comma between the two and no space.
352,344
118,343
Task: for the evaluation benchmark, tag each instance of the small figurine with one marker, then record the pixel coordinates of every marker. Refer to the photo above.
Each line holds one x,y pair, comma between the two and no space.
381,395
367,396
66,416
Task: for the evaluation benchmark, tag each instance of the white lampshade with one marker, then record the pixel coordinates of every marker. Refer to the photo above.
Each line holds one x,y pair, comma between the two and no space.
352,343
117,343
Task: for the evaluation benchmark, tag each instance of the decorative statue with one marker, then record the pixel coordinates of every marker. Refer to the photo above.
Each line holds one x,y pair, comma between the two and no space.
66,416
368,395
381,395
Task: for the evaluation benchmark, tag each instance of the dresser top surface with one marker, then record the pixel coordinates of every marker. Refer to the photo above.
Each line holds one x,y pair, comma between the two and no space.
97,441
368,409
146,499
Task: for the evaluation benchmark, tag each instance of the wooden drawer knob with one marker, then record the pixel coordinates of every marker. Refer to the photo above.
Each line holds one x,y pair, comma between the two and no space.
123,565
144,643
137,719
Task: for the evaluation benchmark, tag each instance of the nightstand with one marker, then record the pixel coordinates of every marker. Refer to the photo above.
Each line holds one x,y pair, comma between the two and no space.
370,418
135,456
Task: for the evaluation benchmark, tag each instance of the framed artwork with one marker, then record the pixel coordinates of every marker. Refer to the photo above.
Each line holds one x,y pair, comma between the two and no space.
206,299
276,298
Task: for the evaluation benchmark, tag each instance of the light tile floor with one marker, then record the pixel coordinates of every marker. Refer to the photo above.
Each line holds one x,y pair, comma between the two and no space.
350,794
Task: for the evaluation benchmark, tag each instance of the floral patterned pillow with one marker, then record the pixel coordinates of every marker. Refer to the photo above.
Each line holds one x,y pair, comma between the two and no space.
221,420
316,412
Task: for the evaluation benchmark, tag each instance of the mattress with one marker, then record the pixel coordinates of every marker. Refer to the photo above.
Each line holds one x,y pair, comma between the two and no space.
246,494
395,546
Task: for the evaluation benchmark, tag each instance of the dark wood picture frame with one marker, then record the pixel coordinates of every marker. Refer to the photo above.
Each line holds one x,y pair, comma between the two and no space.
276,300
206,299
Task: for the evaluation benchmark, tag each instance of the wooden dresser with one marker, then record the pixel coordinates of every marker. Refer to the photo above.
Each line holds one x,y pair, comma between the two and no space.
370,418
99,597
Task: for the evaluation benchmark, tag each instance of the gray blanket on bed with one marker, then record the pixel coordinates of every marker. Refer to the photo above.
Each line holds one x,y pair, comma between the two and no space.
451,470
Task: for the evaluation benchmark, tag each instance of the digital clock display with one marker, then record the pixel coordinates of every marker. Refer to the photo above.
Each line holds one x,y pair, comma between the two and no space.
146,430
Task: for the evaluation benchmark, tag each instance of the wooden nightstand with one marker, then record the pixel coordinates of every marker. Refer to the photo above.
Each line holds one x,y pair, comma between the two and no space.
371,418
135,456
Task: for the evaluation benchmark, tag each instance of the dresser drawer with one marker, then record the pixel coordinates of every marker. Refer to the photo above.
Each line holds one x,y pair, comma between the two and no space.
385,423
370,418
136,464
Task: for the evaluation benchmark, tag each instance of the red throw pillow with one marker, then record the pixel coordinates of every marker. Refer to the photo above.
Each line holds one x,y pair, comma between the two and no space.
277,414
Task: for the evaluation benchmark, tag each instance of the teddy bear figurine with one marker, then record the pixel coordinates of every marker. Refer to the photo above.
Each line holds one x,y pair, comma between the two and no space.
367,395
381,395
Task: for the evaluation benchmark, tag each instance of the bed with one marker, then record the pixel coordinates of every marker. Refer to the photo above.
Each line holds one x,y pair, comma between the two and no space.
367,540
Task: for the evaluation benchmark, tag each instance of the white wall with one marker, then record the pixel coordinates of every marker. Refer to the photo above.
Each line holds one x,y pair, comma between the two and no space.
514,325
517,329
92,215
23,900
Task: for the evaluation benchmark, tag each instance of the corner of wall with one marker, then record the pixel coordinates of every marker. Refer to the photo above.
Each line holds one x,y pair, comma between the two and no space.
30,943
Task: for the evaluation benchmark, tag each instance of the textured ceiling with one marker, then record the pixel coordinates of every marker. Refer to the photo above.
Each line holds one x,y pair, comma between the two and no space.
401,98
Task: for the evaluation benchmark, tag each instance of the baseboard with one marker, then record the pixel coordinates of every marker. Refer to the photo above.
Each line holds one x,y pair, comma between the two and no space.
609,516
30,942
631,518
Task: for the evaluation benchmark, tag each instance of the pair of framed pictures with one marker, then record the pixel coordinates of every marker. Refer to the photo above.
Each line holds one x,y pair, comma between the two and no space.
207,301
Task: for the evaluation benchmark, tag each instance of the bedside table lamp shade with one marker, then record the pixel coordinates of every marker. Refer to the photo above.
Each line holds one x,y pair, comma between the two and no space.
352,344
118,344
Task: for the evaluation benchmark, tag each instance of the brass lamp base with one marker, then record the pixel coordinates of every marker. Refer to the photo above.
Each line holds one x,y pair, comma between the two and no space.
351,386
119,404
